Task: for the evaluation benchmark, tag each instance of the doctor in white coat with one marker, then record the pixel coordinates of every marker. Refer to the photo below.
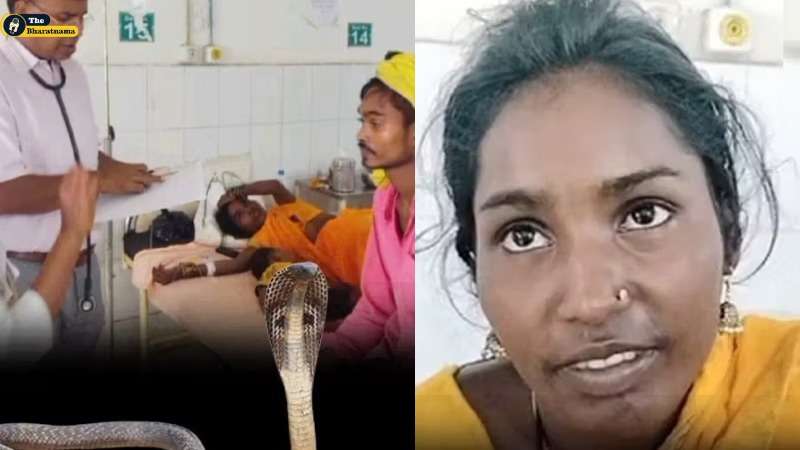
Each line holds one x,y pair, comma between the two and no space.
26,318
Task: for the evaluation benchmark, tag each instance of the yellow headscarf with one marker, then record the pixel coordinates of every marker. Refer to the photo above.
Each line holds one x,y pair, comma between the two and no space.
397,73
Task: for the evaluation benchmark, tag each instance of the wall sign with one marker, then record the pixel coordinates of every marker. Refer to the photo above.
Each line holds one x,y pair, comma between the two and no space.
131,31
359,35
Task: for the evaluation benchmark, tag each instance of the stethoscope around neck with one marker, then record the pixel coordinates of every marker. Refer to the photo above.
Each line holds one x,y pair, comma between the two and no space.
86,304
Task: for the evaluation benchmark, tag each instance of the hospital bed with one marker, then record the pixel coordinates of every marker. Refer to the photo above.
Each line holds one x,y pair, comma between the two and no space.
220,312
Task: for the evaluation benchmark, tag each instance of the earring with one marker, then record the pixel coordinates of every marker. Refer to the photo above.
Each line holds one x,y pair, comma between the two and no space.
729,320
623,295
493,349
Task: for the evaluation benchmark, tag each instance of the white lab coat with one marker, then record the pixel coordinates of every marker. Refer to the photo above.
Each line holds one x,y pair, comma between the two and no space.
26,326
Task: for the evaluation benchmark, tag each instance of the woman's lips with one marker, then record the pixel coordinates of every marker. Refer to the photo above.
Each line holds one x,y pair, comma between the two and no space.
612,375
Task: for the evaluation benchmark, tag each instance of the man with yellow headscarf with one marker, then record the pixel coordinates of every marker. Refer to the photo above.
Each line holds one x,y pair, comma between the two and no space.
382,323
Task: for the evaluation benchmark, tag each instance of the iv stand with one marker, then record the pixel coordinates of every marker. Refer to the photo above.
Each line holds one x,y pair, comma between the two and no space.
109,148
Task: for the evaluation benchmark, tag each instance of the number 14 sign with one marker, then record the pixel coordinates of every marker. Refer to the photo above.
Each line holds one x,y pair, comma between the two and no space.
359,35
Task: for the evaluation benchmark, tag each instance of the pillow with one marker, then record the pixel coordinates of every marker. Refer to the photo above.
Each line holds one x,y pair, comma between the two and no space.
206,230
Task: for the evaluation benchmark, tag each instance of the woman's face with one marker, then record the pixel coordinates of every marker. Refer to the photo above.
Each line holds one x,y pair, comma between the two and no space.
247,214
584,190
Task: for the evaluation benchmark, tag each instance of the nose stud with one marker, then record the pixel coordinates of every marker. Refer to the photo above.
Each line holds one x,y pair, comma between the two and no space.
622,295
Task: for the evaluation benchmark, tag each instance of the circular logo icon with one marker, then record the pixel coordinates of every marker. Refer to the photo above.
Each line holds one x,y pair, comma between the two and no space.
14,25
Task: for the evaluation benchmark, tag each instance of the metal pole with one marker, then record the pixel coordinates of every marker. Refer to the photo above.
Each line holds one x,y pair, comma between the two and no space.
211,22
109,148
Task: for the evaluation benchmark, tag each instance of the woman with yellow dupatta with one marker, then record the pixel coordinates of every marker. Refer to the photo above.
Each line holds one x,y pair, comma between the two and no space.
594,175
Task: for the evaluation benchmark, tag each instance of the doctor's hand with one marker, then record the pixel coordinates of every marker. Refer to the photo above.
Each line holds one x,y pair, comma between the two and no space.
77,196
123,178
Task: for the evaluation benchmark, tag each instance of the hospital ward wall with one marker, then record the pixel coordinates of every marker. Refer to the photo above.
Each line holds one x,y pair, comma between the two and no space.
773,92
285,91
285,94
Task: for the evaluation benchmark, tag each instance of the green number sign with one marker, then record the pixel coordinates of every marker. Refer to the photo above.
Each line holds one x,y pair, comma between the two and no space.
359,35
130,31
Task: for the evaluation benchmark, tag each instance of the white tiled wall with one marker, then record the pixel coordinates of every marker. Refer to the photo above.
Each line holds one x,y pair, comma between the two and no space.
295,118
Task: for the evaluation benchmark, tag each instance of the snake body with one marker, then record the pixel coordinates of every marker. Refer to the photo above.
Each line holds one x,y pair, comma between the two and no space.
26,436
295,303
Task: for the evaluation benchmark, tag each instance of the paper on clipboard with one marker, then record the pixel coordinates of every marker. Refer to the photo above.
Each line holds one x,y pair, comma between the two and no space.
186,185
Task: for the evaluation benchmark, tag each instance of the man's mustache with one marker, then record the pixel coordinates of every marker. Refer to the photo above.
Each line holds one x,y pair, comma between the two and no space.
366,148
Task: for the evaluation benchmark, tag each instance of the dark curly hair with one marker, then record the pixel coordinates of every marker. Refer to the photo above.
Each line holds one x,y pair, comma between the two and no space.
535,40
227,225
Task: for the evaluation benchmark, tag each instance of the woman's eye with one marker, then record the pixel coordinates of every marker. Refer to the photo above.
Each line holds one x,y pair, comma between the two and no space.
522,238
646,216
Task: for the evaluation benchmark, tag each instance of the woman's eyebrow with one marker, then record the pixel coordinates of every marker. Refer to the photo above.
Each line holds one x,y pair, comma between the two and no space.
624,183
527,200
516,198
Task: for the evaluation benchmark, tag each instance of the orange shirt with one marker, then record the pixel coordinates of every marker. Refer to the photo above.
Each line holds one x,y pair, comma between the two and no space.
340,246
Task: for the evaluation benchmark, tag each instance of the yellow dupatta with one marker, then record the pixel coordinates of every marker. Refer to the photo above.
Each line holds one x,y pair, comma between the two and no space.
747,396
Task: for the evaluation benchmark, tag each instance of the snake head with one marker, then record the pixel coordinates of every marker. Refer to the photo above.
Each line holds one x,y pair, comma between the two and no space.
305,271
295,302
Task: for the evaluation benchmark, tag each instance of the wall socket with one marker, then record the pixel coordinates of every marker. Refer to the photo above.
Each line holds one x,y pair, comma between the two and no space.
212,54
728,30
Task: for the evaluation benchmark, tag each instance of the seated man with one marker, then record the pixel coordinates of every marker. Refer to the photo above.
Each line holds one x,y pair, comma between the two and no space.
293,231
382,324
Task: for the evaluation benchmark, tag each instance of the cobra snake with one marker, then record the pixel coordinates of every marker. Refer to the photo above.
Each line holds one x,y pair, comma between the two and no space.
295,302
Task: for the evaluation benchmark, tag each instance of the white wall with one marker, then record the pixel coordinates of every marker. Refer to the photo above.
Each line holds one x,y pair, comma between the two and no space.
286,92
791,15
251,31
448,20
295,118
773,92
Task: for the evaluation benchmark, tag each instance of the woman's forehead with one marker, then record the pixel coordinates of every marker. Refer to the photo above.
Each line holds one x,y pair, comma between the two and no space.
578,134
235,205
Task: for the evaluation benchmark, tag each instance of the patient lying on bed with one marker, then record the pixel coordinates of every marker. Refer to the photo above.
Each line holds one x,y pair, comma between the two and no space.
292,231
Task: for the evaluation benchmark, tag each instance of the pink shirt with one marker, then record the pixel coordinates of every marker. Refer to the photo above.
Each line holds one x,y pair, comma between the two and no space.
382,322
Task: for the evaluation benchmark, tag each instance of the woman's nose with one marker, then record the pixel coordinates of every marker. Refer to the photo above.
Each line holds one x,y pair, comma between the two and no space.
593,282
